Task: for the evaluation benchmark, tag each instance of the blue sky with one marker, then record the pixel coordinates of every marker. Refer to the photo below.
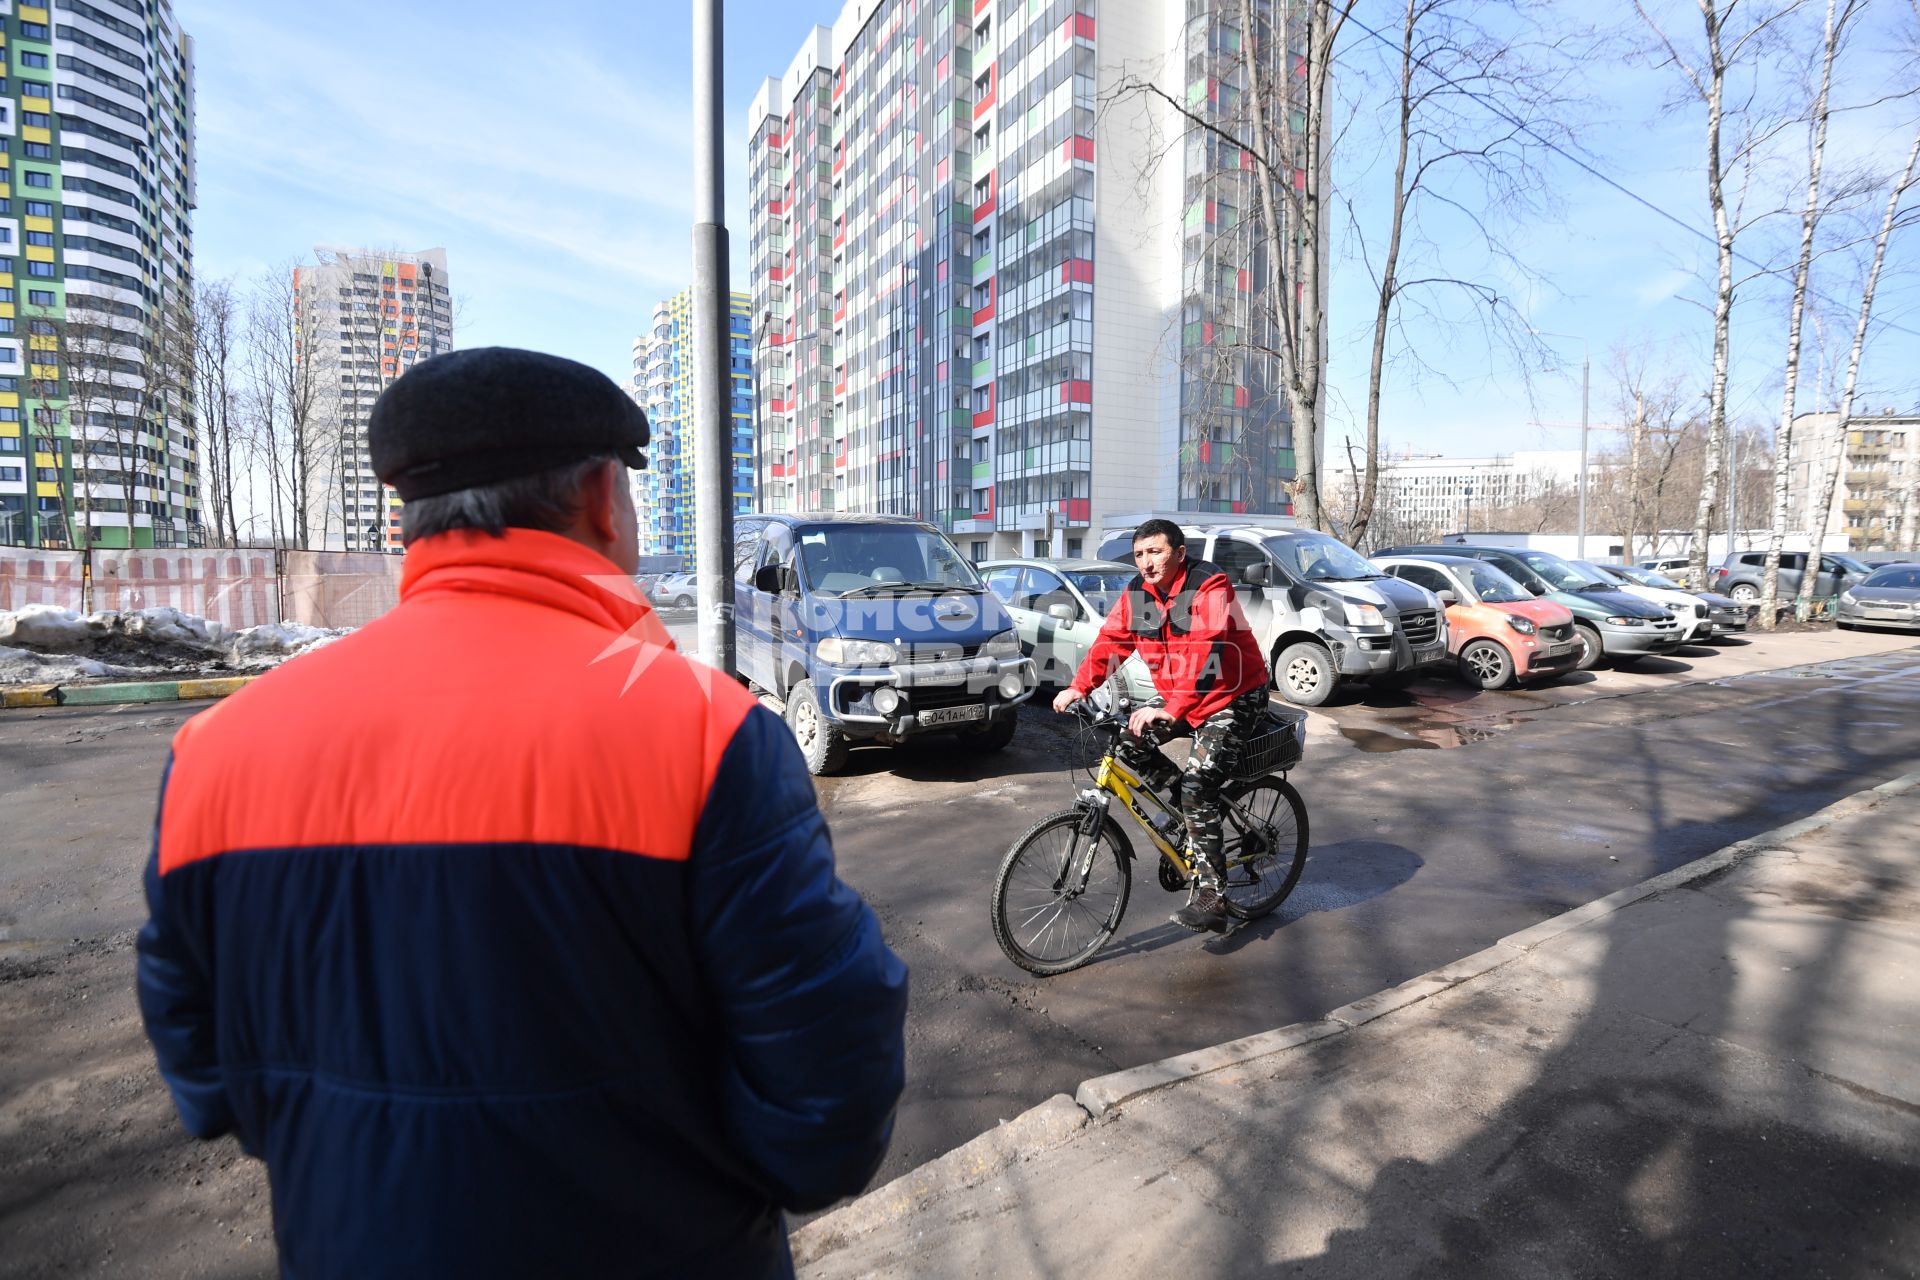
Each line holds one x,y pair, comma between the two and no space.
548,150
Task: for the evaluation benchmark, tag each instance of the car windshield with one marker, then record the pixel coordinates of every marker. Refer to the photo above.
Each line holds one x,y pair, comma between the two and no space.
1493,586
1648,578
1102,588
1318,558
1596,576
1561,574
1847,563
882,559
1904,576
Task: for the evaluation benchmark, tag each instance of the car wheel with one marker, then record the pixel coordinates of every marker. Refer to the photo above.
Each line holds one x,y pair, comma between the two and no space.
683,602
1745,593
1487,664
1304,674
823,746
995,736
1591,649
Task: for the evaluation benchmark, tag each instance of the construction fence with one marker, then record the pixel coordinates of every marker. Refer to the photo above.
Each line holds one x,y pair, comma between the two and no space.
237,587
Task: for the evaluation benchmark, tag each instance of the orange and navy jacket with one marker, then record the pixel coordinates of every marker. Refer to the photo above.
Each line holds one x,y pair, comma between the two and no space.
1192,636
510,939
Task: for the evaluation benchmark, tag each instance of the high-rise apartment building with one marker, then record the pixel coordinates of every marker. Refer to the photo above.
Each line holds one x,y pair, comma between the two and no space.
994,290
97,446
364,318
663,386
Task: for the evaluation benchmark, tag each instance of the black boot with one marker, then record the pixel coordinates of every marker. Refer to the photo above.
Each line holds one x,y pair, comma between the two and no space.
1206,909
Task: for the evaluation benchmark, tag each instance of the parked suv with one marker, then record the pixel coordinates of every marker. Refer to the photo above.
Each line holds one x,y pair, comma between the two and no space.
1613,624
1321,611
1742,574
873,629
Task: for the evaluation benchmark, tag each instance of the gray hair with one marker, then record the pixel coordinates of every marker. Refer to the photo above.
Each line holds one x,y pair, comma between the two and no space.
548,500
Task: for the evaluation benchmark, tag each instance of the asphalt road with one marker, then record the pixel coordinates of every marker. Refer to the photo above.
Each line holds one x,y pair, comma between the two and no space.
1420,854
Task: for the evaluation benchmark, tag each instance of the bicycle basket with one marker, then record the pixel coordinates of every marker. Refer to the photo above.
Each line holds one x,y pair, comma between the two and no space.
1276,747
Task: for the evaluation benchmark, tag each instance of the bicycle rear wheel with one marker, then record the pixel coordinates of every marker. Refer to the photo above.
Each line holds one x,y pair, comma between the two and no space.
1266,844
1047,916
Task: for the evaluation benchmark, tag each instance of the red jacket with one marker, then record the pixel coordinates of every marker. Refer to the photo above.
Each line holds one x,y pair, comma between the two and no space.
1194,640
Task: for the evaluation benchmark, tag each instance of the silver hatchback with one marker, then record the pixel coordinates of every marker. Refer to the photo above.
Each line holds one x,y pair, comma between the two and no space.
1889,597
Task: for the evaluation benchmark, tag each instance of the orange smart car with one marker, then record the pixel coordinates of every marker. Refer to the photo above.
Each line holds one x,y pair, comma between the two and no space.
1498,630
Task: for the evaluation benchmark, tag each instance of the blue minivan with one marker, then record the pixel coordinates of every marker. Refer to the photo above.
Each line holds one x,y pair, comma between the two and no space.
873,629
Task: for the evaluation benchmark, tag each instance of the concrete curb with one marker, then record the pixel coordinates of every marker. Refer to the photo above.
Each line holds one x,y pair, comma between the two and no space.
1048,1125
107,695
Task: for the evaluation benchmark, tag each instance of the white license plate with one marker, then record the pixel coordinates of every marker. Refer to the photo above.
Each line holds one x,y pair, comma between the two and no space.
1560,650
954,715
1429,653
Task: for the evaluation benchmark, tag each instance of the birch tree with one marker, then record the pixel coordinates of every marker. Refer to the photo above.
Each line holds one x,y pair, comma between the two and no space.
1822,500
1731,38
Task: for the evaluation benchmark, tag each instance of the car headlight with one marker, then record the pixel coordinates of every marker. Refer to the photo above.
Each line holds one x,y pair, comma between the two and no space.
1846,597
1523,625
856,653
1622,620
1681,610
1004,645
1363,615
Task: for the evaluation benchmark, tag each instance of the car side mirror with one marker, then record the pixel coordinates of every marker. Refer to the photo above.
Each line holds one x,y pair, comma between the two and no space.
1537,589
1256,575
1447,597
774,579
1062,611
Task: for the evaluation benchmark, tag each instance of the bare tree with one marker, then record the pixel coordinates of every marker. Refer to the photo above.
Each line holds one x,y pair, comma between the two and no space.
1474,114
284,402
1838,16
1823,499
1727,44
214,352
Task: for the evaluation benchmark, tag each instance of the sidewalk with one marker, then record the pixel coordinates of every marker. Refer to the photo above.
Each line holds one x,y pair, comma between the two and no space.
1719,1077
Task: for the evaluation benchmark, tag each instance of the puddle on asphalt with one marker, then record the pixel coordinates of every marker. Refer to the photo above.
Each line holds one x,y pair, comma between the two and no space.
1427,737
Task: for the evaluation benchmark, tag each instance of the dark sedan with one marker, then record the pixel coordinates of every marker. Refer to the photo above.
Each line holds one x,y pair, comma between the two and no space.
1889,597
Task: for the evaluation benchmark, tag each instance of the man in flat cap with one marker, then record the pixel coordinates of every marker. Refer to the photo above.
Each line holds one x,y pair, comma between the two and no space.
509,938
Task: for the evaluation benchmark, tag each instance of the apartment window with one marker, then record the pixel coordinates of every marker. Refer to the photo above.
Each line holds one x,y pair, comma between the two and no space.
34,178
36,119
34,89
35,297
39,209
38,150
44,269
27,57
35,31
44,238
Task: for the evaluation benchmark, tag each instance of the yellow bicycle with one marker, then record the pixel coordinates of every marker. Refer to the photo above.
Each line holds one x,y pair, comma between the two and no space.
1063,886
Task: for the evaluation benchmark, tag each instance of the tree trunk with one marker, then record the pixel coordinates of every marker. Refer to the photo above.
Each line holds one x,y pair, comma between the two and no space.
1383,311
1809,222
1722,300
1636,458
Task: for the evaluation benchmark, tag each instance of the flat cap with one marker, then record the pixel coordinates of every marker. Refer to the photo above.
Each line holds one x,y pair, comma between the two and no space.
488,414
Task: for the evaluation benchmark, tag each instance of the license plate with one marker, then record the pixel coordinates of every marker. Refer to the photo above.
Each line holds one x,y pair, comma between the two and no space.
954,715
1429,653
1560,650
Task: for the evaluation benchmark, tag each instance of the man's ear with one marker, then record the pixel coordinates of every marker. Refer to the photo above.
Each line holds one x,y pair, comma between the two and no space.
597,500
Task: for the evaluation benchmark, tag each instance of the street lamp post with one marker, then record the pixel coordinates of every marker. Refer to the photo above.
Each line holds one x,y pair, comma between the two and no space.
712,376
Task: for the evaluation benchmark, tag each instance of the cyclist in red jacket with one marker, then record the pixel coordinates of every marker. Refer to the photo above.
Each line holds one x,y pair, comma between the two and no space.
1182,618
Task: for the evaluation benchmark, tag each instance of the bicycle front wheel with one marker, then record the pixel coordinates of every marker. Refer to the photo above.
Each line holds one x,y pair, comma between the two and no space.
1266,844
1059,895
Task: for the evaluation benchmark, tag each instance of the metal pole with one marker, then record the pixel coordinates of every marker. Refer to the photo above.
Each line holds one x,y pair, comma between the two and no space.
712,365
1586,369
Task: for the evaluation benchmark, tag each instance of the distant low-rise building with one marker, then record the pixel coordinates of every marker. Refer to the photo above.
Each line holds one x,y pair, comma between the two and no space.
1422,495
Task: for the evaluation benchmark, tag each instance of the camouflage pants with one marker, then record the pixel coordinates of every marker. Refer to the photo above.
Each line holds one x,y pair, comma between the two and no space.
1217,743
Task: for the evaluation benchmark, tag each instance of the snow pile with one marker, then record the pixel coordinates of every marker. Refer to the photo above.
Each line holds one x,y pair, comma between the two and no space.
44,644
